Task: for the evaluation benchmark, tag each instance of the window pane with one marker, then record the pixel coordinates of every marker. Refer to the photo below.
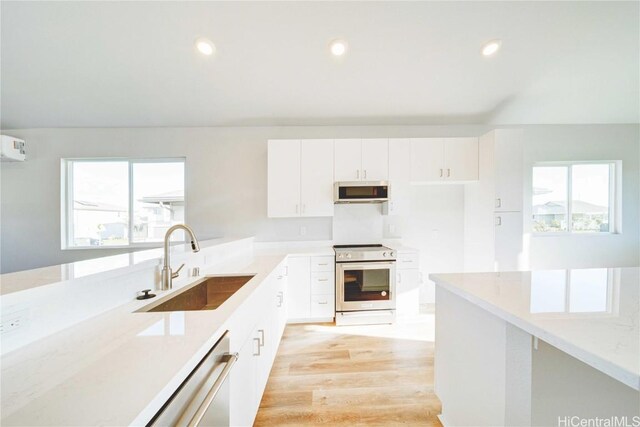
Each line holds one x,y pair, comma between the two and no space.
550,198
548,291
590,194
100,203
158,200
589,290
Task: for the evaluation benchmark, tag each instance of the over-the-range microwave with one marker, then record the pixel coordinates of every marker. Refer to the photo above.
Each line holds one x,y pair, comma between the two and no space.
361,192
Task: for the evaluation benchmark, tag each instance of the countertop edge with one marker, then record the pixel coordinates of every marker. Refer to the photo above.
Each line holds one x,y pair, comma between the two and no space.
603,365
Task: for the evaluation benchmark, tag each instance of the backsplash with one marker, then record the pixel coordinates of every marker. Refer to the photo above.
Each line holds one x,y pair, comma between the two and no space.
357,223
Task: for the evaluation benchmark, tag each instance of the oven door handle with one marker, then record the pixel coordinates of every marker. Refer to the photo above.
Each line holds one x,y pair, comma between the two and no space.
368,265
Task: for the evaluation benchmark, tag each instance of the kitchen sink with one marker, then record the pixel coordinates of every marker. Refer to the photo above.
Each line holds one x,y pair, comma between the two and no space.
208,294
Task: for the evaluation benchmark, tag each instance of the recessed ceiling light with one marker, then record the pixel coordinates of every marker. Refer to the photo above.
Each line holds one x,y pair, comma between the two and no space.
338,47
491,47
205,46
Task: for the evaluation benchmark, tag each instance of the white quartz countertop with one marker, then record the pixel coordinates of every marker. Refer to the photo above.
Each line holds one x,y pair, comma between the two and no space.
23,280
591,314
119,367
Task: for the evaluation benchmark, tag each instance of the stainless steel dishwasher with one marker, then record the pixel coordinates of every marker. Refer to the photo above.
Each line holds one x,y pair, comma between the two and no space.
203,398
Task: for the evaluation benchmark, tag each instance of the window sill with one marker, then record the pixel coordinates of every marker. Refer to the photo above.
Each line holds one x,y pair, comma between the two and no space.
567,234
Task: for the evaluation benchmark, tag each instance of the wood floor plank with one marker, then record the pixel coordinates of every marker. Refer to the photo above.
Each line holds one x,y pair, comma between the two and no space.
356,376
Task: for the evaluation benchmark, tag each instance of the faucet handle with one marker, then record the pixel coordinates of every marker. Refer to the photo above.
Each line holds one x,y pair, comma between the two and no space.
177,272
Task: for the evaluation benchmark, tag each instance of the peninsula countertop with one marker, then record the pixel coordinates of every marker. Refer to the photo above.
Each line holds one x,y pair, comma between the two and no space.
119,367
590,314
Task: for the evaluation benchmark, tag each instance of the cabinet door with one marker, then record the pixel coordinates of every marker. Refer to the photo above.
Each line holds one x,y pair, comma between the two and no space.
263,354
347,160
408,292
243,385
509,170
316,177
375,160
283,178
281,305
323,306
461,159
399,160
299,288
427,159
508,241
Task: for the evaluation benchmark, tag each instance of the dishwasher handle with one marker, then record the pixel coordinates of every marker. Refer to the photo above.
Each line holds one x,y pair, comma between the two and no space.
229,359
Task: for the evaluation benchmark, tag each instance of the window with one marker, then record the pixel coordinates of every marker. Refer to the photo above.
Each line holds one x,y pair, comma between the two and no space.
586,291
120,202
574,197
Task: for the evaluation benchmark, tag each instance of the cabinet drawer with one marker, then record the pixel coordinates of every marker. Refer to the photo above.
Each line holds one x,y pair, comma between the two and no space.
322,282
323,305
408,260
322,263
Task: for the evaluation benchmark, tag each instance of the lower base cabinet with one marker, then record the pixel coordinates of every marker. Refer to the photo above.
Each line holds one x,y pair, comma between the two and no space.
257,351
408,284
311,289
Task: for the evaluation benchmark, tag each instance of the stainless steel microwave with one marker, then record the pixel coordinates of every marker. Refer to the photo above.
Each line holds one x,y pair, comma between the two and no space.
361,192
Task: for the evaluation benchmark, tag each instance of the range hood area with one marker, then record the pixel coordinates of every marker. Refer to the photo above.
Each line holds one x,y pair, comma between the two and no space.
361,192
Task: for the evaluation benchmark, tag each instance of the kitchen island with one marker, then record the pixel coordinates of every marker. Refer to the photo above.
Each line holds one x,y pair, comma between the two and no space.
538,348
89,353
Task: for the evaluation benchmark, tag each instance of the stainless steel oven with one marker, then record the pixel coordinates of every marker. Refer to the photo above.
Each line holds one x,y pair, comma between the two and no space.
365,284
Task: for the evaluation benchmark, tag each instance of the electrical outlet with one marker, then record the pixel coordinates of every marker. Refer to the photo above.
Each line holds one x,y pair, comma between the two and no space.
12,322
303,231
392,229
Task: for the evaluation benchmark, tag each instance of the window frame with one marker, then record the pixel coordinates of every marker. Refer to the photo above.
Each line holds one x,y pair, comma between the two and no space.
66,184
615,188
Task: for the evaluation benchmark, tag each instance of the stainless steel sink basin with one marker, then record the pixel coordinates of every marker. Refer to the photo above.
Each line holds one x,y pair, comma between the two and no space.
208,294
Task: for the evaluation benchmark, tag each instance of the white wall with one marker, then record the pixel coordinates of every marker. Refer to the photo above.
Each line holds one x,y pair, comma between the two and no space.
586,142
226,182
226,190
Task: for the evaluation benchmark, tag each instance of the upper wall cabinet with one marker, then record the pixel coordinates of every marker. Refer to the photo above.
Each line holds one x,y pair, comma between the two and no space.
361,160
444,159
300,178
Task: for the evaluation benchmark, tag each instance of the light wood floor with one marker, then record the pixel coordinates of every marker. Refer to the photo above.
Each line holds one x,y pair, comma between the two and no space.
355,375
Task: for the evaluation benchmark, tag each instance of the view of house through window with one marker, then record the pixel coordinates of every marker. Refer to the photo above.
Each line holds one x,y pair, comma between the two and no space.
574,197
122,202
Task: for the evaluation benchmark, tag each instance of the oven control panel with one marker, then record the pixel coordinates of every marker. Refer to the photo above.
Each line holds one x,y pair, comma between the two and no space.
374,253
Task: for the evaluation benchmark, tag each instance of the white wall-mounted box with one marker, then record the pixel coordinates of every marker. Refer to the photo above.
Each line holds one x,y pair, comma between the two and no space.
12,149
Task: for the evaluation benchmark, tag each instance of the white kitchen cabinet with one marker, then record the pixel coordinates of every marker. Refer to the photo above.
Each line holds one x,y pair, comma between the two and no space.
300,178
281,302
361,159
323,306
299,288
508,238
259,328
316,177
243,385
311,288
509,170
492,243
322,282
444,159
375,159
407,283
283,178
461,159
265,337
400,159
347,159
399,177
427,159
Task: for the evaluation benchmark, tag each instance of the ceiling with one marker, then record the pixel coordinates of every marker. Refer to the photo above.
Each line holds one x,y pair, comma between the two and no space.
133,64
